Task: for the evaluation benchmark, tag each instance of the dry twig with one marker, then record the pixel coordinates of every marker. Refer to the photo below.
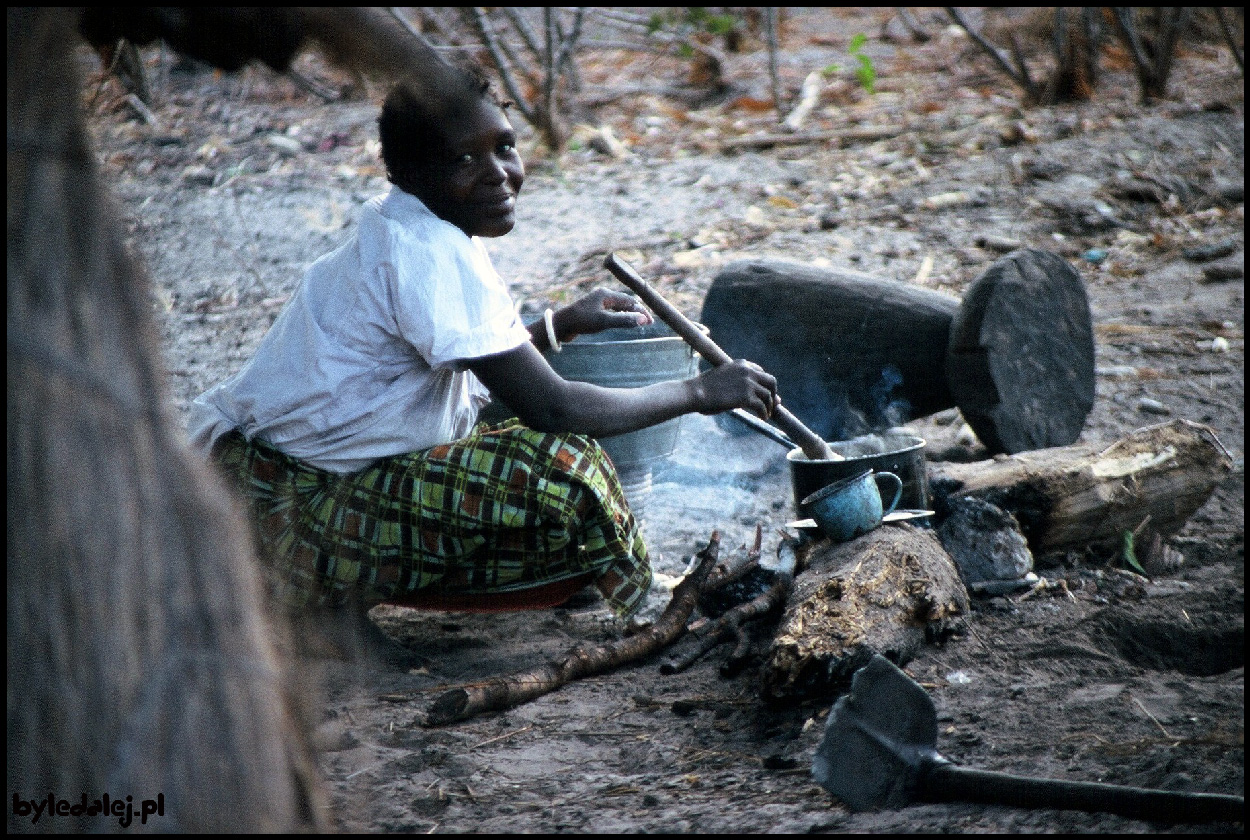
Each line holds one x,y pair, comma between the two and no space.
729,627
582,661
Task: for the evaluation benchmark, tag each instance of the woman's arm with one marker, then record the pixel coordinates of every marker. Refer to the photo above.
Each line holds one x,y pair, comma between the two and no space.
523,381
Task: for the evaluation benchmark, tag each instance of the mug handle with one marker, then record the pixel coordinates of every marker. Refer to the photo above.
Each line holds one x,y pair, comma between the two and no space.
898,488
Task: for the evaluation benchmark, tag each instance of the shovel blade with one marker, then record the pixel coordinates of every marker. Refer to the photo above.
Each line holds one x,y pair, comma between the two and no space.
877,740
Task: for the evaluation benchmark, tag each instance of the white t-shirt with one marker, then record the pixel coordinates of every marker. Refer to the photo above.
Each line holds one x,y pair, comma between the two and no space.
367,359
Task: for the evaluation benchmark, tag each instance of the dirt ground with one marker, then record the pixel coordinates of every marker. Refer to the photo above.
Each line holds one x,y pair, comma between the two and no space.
245,180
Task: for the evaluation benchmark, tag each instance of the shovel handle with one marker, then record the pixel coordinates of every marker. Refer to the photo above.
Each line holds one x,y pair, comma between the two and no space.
813,446
946,782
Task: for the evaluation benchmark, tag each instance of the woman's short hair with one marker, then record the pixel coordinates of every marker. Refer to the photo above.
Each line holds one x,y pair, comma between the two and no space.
417,108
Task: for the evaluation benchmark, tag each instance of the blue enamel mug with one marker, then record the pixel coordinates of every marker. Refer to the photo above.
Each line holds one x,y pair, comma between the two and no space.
852,506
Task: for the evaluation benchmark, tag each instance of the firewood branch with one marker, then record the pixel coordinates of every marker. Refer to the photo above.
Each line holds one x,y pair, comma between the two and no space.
729,627
724,574
582,661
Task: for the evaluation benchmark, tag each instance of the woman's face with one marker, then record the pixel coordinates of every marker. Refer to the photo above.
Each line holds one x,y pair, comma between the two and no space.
475,187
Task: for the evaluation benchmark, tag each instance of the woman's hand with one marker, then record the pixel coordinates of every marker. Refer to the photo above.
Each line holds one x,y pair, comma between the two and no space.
600,310
737,384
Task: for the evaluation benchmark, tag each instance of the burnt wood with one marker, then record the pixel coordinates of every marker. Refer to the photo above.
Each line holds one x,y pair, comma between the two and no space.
887,592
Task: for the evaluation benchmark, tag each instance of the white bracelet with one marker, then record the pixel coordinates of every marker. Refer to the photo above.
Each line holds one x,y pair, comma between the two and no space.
549,320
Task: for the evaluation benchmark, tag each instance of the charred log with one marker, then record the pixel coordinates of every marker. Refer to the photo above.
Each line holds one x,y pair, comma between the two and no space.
1020,362
853,354
887,592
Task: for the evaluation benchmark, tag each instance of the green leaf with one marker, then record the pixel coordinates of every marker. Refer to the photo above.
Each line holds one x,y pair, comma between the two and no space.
721,24
696,14
866,73
685,51
831,70
857,43
1130,556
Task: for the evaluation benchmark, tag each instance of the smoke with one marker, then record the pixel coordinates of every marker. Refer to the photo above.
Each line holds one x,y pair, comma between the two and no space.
892,411
848,410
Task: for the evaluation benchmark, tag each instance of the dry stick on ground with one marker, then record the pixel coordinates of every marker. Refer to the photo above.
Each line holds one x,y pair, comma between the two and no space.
582,661
725,574
729,626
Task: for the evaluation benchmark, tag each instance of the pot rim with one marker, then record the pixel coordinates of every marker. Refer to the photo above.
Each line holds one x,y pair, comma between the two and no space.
621,335
796,456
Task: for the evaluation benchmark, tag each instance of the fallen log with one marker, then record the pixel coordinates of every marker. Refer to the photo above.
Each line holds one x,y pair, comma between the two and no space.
887,592
584,660
1069,498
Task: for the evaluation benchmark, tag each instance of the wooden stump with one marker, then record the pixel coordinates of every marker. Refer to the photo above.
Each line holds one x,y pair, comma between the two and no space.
886,592
851,353
1020,364
1071,497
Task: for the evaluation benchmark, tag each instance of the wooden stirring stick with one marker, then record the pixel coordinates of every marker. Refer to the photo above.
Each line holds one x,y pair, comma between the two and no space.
812,445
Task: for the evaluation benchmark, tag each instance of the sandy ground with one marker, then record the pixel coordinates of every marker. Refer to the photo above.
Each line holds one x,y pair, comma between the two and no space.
246,180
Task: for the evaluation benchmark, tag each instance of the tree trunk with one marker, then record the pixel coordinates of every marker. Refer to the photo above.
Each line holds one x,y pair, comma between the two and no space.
1068,498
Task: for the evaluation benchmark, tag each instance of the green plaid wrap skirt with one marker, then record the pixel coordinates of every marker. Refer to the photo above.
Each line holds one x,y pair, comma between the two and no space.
503,510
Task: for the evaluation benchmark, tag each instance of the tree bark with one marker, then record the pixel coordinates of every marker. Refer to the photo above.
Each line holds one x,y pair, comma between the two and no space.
1070,497
887,592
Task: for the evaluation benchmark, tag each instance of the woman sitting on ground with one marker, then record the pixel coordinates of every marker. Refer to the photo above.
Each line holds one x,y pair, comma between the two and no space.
353,434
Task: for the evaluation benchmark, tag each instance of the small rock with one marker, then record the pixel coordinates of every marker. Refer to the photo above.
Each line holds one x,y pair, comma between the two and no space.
198,174
1217,272
965,436
1206,253
684,708
1152,406
1219,344
1094,255
941,201
985,541
1002,244
287,146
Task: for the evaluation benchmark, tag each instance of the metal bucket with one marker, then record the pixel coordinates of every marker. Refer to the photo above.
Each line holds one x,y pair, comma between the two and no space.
630,358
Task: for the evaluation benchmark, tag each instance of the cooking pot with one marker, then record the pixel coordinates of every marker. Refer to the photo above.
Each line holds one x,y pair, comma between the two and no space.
894,452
